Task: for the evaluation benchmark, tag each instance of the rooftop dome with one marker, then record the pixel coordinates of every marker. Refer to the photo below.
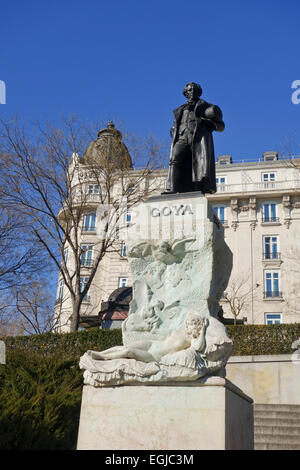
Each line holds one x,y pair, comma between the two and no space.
108,150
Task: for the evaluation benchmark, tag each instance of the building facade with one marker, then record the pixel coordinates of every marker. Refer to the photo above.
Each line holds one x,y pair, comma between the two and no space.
258,204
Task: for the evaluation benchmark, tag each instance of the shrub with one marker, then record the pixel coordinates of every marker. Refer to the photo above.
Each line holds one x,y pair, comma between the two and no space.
39,402
41,388
263,339
70,345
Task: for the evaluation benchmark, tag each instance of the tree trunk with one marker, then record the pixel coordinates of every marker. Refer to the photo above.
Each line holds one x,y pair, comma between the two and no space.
75,318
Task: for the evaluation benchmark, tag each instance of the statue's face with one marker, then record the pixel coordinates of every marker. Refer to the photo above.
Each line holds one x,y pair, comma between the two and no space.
192,92
164,246
193,326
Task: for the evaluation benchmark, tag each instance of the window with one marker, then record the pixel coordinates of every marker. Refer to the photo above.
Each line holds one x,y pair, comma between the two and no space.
87,255
220,213
60,291
123,250
221,181
272,318
271,247
269,212
93,189
270,156
272,281
123,281
268,179
83,283
130,188
89,222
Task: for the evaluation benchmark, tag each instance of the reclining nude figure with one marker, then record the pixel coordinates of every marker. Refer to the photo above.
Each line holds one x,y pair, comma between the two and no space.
153,350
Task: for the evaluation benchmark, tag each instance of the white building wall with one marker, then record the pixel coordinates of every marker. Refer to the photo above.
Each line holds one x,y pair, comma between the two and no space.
267,379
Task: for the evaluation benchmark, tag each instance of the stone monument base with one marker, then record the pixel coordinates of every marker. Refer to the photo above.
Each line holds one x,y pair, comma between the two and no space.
211,413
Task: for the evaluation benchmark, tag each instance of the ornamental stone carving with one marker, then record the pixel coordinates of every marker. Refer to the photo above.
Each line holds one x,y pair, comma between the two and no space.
234,205
171,333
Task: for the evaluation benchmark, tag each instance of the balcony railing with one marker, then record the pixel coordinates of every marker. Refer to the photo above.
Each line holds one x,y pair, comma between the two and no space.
260,186
268,219
271,256
273,294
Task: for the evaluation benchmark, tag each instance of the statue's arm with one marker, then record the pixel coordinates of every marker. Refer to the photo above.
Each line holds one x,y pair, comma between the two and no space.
172,130
220,126
213,125
199,343
214,120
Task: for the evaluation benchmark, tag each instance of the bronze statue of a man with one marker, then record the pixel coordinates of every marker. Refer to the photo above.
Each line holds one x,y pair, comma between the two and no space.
192,159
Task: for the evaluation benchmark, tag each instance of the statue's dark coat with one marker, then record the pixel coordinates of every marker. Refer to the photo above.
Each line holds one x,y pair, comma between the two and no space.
203,157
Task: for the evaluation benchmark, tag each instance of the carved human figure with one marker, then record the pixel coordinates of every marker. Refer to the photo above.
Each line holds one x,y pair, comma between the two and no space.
153,350
157,267
192,160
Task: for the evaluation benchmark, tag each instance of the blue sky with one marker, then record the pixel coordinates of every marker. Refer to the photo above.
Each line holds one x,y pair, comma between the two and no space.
129,61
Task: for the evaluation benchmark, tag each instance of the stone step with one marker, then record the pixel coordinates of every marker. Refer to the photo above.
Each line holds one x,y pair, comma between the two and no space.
268,438
276,427
277,430
272,414
275,407
282,422
259,446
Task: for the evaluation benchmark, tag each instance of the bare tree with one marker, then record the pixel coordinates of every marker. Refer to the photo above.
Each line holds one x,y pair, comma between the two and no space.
10,325
289,154
18,253
239,294
35,308
52,191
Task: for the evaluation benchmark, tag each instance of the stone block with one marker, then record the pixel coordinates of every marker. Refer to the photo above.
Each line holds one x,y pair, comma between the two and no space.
210,414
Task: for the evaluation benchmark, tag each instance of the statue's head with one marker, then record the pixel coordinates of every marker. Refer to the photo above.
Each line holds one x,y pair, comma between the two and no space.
164,246
194,324
192,91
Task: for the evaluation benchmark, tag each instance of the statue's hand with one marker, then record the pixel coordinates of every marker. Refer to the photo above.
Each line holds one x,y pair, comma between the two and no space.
172,130
211,126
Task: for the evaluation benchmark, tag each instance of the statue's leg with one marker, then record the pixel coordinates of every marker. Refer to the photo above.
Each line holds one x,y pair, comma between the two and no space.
187,170
107,353
177,168
139,355
123,352
203,186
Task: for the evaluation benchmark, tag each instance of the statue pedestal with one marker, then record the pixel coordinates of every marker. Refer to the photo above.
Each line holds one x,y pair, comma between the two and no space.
179,262
158,391
208,414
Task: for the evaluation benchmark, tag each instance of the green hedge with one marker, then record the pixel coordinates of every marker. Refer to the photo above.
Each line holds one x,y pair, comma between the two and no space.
263,339
41,388
70,345
247,340
39,402
41,384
